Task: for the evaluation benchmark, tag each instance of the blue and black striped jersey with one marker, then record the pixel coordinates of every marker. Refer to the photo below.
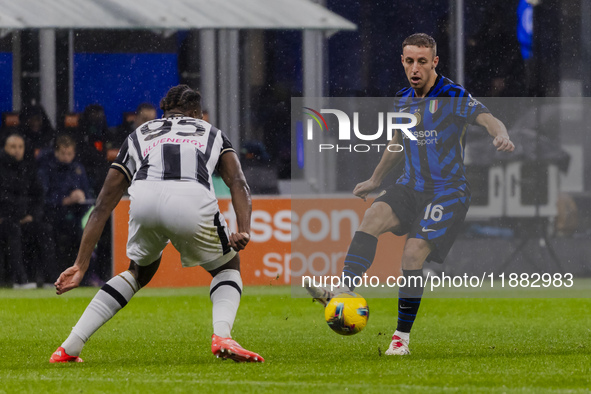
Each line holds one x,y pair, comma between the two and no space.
435,161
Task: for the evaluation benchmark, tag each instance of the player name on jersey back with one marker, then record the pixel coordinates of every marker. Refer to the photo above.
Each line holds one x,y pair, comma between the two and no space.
175,148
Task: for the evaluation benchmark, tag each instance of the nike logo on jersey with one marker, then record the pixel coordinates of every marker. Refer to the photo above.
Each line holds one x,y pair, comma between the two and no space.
426,230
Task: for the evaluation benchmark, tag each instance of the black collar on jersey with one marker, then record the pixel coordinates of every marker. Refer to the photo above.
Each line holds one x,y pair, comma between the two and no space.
434,85
439,76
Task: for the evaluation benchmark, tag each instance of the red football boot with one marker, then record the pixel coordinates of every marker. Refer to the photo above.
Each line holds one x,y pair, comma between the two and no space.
60,356
229,348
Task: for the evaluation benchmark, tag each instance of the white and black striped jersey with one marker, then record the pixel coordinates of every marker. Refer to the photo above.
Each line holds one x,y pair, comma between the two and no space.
177,148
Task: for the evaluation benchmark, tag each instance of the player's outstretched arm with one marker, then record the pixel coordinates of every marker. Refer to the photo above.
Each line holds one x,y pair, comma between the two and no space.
388,161
497,130
231,172
110,195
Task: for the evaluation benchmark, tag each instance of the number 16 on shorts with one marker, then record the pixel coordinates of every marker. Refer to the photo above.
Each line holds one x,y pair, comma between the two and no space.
435,212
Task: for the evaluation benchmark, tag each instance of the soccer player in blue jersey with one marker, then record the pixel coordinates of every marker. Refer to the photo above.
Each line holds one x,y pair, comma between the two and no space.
430,200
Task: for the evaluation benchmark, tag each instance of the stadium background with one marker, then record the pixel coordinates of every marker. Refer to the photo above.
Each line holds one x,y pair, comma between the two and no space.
160,342
488,52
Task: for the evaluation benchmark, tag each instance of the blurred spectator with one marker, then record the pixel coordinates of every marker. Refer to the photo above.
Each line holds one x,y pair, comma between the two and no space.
69,123
6,133
118,134
66,190
258,168
20,205
90,145
93,129
143,113
35,127
254,151
10,122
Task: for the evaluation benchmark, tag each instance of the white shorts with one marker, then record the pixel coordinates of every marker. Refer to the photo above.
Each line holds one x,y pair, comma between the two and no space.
184,213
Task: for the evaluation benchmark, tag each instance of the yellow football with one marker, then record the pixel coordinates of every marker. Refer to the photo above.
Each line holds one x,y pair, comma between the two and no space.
347,313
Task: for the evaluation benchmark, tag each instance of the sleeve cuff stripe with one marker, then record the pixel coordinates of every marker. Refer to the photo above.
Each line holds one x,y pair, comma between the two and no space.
227,150
123,170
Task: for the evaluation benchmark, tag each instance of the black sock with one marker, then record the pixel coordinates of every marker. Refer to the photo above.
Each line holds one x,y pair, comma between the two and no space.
409,299
359,257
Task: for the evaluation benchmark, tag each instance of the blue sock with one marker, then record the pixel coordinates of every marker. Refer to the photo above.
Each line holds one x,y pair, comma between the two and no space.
359,257
409,299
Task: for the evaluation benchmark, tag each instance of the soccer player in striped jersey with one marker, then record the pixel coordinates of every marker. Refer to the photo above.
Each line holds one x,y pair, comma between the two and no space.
167,164
430,200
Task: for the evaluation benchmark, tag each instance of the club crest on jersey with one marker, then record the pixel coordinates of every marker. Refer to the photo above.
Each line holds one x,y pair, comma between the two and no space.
433,105
417,114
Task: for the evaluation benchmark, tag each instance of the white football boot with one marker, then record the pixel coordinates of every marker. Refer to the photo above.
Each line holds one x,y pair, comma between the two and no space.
320,294
398,347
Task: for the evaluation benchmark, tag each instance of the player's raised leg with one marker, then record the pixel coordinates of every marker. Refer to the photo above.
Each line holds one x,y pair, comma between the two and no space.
410,295
113,296
377,220
225,292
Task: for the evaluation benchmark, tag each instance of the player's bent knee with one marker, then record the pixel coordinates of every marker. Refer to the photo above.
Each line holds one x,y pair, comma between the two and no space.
415,252
144,274
378,219
233,264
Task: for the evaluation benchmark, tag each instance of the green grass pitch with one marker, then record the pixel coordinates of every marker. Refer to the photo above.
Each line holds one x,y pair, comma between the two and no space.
161,343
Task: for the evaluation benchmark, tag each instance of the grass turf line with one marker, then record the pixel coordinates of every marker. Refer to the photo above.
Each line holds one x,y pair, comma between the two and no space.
160,342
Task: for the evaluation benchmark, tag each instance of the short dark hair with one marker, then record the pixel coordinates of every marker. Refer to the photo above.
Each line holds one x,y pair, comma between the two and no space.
144,106
12,134
181,97
64,141
421,40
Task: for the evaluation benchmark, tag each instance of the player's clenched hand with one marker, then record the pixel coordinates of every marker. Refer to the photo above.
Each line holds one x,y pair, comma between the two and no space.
68,280
364,188
503,144
238,241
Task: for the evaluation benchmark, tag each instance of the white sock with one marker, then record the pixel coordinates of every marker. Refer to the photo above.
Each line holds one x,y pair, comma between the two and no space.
225,292
403,335
113,296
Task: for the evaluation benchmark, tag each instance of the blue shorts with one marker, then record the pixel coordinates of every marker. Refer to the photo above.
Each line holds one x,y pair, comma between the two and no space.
437,218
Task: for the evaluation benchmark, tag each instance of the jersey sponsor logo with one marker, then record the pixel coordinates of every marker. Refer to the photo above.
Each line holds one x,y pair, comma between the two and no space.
426,230
425,137
424,134
166,140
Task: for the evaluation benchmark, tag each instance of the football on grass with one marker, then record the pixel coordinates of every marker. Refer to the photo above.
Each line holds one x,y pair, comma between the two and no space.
347,313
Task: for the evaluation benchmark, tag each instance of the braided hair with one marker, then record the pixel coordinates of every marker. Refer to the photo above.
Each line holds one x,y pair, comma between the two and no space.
182,98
